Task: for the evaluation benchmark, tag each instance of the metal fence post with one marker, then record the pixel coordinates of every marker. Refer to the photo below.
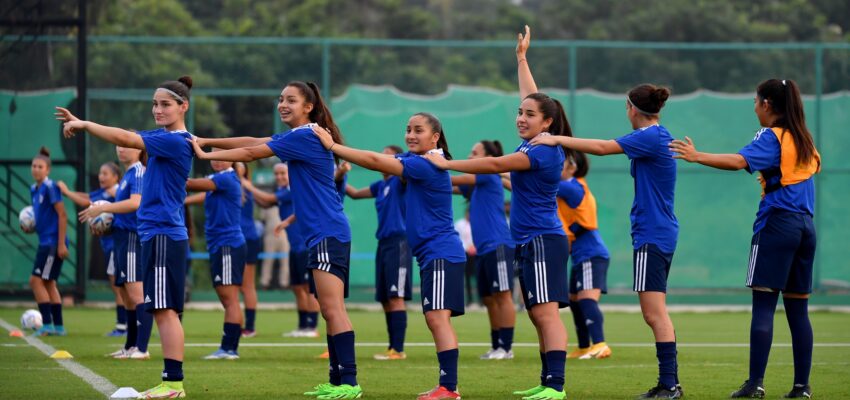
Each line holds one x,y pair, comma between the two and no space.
573,77
817,138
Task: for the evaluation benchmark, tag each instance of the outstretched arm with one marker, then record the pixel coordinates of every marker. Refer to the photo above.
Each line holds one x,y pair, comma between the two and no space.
526,80
196,198
486,165
688,152
362,193
263,198
81,199
116,136
119,207
367,159
465,179
597,147
243,154
233,142
200,185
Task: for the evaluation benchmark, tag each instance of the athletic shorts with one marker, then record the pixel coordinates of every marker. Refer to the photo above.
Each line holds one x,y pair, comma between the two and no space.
651,268
441,285
494,271
783,253
330,255
252,250
543,263
164,265
47,265
226,265
393,264
110,263
128,257
298,273
589,274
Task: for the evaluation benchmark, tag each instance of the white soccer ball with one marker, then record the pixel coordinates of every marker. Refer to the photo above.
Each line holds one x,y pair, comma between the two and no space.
31,319
102,223
27,220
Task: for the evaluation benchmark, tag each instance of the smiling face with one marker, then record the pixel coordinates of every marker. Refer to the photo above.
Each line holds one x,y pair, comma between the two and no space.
293,107
530,120
281,175
106,177
39,169
166,110
420,136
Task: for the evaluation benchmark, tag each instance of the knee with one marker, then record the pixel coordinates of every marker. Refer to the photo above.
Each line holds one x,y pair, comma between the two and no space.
435,320
35,282
330,310
652,319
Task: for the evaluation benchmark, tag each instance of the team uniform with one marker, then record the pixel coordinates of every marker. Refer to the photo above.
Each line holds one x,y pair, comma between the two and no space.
298,251
107,242
249,230
393,261
48,264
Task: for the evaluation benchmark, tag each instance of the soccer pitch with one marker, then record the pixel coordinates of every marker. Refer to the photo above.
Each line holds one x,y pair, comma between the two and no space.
713,358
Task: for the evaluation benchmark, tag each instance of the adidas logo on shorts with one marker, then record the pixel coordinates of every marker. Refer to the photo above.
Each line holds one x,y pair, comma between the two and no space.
393,288
442,373
38,270
530,296
495,284
147,299
217,278
426,302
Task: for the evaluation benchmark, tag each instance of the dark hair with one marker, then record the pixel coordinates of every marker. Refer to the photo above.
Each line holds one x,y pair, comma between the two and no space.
246,170
582,164
113,167
785,101
552,108
143,155
436,126
182,86
44,155
395,149
648,98
320,113
492,148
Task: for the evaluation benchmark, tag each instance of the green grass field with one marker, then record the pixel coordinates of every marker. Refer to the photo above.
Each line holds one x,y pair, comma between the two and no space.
713,357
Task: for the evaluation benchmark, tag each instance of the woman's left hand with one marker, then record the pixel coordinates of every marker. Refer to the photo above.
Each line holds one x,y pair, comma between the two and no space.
437,159
684,150
324,136
89,213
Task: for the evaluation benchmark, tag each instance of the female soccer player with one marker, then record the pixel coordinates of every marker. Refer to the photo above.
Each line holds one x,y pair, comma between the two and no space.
315,199
51,224
430,233
107,177
542,251
252,250
161,221
495,249
654,226
226,245
299,275
783,244
393,261
577,210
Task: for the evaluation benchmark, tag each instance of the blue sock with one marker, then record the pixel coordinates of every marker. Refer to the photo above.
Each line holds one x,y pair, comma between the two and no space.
302,319
506,338
494,338
333,363
581,329
230,340
388,319
132,330
761,332
397,328
593,319
666,353
556,362
121,316
145,325
544,369
46,316
56,310
173,371
312,319
250,316
448,368
802,341
344,346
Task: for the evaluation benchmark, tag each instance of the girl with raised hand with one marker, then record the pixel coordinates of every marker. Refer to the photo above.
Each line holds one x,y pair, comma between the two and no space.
161,228
784,239
542,251
393,261
315,199
430,233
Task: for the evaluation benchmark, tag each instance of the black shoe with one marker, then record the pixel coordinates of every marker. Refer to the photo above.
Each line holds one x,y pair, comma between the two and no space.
661,392
800,392
749,390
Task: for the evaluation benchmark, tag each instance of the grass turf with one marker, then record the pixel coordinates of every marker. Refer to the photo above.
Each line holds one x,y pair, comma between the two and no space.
713,359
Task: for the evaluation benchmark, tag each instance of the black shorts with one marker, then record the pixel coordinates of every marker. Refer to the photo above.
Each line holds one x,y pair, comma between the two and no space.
782,253
227,265
589,274
651,268
441,285
298,273
164,265
128,257
252,250
332,256
543,262
494,271
393,264
48,264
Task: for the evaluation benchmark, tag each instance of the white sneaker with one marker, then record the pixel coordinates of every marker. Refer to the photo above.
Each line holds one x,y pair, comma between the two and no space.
488,354
309,333
294,333
138,355
121,353
501,354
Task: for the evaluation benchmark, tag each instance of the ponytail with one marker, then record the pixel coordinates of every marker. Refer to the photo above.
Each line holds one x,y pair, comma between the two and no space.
320,113
785,101
492,148
437,127
552,108
582,164
44,155
648,99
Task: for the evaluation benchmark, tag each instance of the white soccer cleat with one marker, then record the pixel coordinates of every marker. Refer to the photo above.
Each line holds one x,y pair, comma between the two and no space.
294,333
138,355
309,333
501,354
488,354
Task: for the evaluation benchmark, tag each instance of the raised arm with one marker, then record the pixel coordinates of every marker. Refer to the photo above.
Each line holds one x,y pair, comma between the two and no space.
367,159
81,199
362,193
243,154
526,80
263,198
200,185
118,207
116,136
196,198
688,152
233,142
597,147
465,179
486,165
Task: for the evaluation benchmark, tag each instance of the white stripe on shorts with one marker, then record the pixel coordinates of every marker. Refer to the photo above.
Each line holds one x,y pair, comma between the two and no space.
502,268
48,265
402,269
540,270
640,269
587,275
751,270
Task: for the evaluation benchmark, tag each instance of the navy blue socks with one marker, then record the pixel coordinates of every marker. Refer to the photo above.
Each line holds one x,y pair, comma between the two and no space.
56,311
802,341
344,346
582,334
250,316
761,332
132,329
302,319
333,363
311,320
556,363
494,338
397,327
46,316
173,371
593,319
667,365
506,338
145,325
448,368
544,369
121,317
230,339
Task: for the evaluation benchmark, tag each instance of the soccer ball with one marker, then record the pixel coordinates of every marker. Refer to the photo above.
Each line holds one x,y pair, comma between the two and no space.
27,220
31,319
101,224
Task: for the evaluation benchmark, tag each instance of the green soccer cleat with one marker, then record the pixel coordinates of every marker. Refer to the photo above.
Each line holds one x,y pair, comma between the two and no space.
320,389
547,394
342,392
532,391
165,390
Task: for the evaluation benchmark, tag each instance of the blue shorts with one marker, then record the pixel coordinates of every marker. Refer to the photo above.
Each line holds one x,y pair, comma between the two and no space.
164,265
332,256
252,250
227,265
543,266
782,255
651,268
298,273
393,264
441,285
47,265
589,274
494,271
128,257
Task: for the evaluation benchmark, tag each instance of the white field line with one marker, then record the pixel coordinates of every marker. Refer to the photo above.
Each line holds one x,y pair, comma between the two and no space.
99,383
244,343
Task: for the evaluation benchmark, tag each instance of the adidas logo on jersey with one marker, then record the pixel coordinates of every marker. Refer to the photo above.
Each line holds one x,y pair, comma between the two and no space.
425,302
393,288
217,278
147,299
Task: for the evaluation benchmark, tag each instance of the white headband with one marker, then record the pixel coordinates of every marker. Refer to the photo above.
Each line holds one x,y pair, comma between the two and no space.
172,93
637,108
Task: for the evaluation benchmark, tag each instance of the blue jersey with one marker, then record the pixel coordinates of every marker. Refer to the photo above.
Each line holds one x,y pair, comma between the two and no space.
763,154
223,209
246,222
487,213
106,242
44,198
588,243
429,218
164,187
340,187
131,183
285,208
311,173
534,211
389,203
654,171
